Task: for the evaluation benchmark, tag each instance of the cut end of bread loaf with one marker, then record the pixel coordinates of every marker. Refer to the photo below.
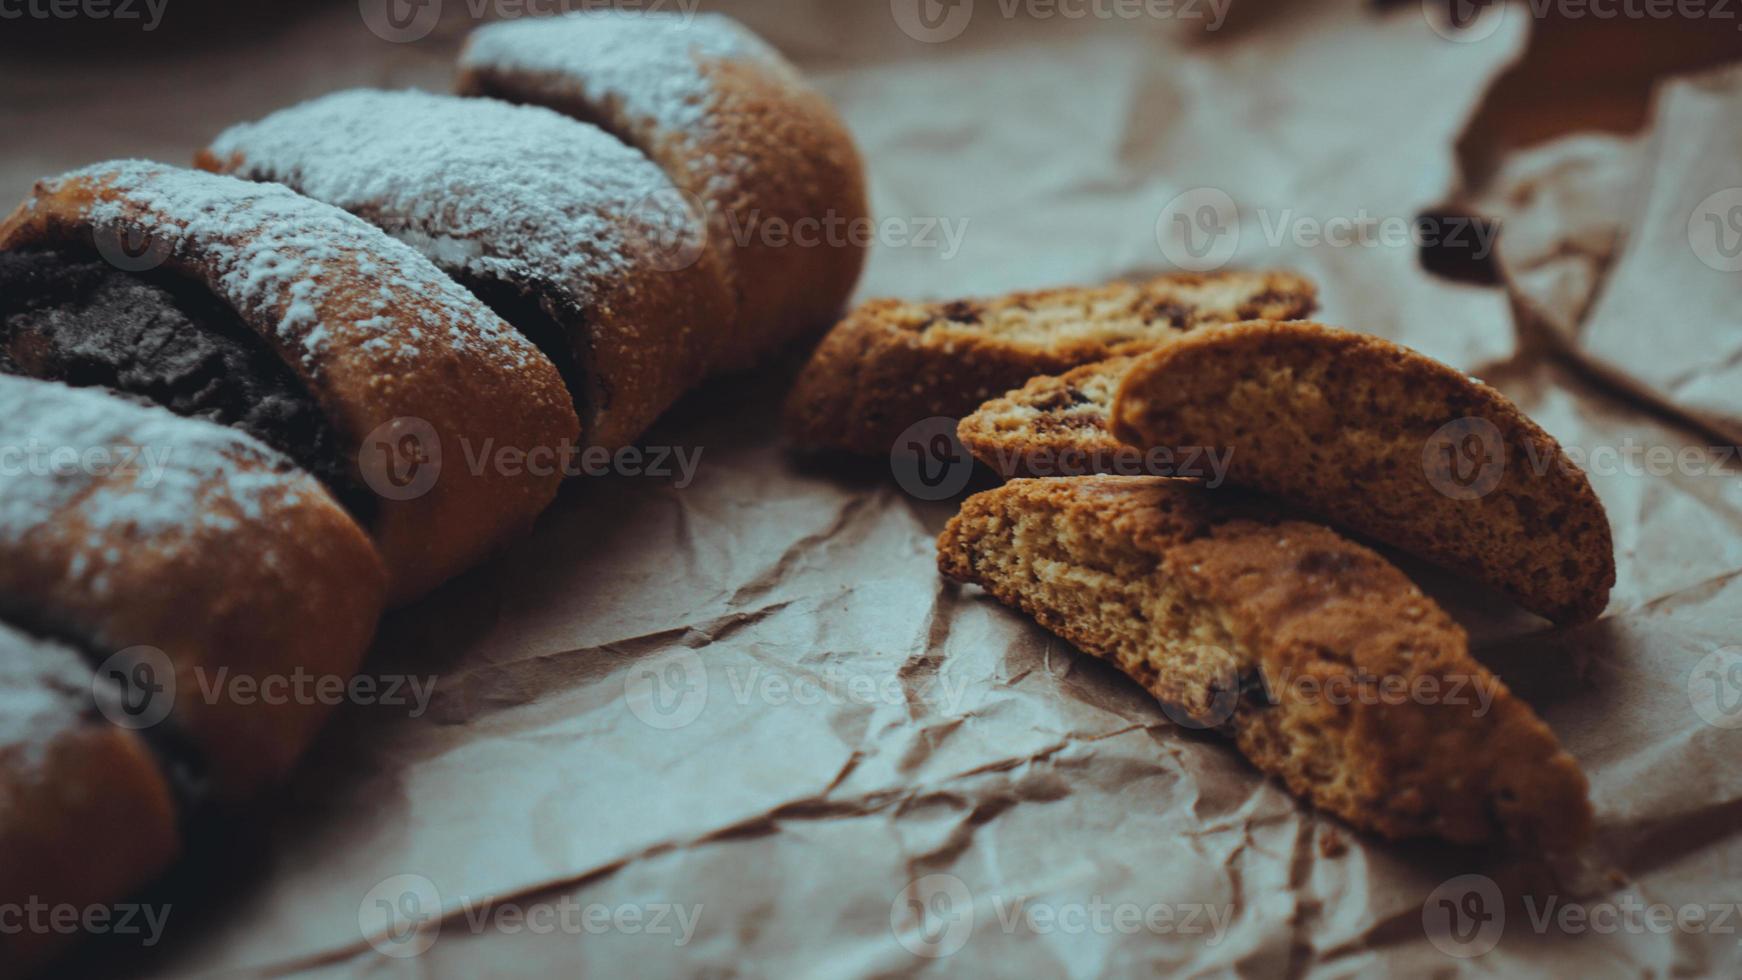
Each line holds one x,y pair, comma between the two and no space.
1055,425
1387,443
1288,638
893,363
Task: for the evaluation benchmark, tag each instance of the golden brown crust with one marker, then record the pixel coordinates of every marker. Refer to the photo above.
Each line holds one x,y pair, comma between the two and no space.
807,169
85,814
768,156
891,363
350,340
554,223
1055,425
1286,637
205,546
1389,444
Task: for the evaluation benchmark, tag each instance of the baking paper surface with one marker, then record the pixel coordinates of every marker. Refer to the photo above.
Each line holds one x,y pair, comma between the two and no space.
743,723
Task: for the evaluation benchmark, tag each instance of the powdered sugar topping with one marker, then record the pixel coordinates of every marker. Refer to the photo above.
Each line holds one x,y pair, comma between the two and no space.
292,262
44,693
489,190
648,63
130,475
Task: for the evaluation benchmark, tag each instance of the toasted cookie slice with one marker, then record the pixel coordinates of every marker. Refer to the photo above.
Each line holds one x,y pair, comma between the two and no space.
1055,425
1389,444
1326,666
892,363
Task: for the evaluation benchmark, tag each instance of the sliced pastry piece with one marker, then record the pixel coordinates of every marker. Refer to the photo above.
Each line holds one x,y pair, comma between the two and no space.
1389,444
893,363
1055,425
250,305
199,568
756,150
550,221
86,814
1322,662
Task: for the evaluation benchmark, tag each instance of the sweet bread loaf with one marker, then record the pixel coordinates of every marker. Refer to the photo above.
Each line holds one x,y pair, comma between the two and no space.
223,389
86,815
541,216
759,152
1054,425
306,327
1325,665
893,363
1389,444
124,526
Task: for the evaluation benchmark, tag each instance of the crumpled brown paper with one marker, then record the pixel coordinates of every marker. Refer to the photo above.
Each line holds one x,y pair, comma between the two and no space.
742,727
1629,249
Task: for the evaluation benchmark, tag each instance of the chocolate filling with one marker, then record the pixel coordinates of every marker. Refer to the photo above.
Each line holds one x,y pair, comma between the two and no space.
165,339
522,308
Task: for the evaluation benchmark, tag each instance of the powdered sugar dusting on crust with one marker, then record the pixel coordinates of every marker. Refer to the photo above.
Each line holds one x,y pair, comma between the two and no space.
280,258
45,691
647,63
135,476
648,73
495,191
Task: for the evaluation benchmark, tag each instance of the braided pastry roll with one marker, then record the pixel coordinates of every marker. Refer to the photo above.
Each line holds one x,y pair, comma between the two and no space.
305,327
734,126
172,557
540,215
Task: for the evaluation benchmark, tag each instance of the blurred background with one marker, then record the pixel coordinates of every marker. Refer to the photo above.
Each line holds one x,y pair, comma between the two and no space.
82,87
1178,85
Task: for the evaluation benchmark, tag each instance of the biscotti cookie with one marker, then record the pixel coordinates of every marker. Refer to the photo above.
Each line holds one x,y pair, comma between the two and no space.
539,215
893,363
762,155
194,553
1326,666
1055,425
1389,444
344,349
86,814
